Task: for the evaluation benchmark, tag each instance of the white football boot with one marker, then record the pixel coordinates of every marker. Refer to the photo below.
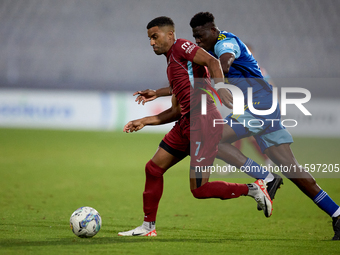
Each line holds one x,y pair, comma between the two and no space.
147,229
258,191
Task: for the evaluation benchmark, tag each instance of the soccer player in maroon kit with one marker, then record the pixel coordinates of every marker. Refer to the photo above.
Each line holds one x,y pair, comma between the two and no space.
193,134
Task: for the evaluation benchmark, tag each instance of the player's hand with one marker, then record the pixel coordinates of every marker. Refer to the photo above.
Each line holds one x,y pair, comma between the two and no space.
133,126
145,96
226,97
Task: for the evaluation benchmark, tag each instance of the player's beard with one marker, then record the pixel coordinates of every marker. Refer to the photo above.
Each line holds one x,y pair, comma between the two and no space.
157,50
161,48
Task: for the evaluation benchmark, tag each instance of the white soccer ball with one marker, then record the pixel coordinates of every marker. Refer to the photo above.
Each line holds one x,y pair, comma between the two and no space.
85,222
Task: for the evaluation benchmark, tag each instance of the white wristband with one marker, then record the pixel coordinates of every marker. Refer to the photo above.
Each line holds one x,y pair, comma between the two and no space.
220,85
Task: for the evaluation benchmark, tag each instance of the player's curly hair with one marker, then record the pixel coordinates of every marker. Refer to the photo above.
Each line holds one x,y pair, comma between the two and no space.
161,22
202,18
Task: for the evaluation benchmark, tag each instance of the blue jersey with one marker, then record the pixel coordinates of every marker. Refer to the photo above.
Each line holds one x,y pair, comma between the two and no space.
244,71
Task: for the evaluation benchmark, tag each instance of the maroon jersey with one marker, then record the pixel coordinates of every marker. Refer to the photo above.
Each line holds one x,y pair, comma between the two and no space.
186,77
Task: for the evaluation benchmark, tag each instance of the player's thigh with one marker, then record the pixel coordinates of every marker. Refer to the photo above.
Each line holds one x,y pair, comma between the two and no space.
249,124
164,159
173,147
237,127
281,154
229,135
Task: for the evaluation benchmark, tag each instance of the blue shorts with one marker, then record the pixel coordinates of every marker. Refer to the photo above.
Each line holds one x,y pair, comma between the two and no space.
267,130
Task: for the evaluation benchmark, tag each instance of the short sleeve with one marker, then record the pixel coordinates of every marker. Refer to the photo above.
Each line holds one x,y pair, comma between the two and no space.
228,45
186,49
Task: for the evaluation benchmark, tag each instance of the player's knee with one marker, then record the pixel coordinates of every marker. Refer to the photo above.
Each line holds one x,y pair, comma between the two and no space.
153,169
197,193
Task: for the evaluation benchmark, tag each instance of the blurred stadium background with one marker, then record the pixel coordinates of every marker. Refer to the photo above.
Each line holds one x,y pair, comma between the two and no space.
74,63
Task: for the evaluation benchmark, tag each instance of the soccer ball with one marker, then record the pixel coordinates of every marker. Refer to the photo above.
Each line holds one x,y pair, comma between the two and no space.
85,222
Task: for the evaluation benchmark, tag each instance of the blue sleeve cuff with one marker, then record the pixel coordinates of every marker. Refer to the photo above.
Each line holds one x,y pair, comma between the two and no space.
228,45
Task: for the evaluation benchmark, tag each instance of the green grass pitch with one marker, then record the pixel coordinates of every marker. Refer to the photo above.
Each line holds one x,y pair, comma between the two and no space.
46,175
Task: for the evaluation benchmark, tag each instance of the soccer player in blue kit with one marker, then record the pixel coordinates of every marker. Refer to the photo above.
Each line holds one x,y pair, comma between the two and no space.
241,69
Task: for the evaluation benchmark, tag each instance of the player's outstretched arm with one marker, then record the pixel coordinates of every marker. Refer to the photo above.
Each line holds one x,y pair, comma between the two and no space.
226,60
150,94
204,58
164,117
134,126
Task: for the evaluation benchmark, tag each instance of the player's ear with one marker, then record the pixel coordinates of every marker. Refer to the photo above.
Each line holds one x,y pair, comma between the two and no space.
171,34
213,29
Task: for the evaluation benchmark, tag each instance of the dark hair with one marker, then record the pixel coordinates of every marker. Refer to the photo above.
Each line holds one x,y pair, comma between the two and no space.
160,22
202,18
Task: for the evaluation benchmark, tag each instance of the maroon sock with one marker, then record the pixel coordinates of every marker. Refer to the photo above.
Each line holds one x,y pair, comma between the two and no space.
153,190
220,189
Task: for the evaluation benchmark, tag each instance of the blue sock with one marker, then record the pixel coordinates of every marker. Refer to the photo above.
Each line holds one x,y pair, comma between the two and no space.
254,170
326,203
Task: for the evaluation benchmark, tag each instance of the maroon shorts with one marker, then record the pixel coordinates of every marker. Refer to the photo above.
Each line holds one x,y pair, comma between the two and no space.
195,136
